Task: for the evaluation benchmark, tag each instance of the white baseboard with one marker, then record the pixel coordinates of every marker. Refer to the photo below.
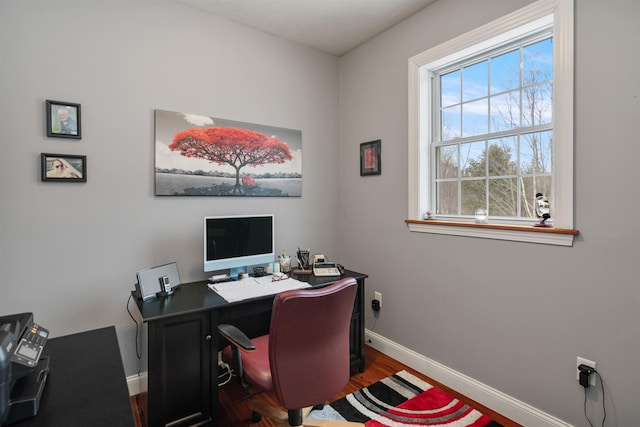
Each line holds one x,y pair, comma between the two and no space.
508,406
137,383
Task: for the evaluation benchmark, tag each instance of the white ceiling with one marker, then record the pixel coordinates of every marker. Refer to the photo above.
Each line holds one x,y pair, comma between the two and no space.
333,26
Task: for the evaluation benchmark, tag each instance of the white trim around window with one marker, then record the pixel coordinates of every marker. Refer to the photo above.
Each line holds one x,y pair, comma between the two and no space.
418,175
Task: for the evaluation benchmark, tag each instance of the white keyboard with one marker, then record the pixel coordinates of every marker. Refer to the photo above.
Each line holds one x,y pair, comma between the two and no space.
252,287
229,285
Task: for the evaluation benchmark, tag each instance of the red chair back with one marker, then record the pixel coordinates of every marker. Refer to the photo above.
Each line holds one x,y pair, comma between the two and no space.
309,343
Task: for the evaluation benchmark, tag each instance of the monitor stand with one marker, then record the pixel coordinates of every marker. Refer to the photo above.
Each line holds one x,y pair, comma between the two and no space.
234,273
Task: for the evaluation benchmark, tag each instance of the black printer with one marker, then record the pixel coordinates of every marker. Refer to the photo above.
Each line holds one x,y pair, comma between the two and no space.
23,373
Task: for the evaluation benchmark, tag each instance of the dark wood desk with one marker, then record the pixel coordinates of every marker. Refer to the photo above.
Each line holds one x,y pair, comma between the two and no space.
86,385
183,344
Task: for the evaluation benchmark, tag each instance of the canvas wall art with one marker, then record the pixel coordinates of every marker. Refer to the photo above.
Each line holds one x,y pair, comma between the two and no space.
199,155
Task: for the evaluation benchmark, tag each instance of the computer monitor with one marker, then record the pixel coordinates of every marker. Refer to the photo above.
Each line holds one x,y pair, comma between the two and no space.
235,242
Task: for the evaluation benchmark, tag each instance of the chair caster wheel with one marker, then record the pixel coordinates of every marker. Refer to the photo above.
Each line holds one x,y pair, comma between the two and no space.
256,417
318,407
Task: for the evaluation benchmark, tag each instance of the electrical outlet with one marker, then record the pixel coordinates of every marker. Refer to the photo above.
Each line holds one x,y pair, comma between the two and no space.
378,296
589,363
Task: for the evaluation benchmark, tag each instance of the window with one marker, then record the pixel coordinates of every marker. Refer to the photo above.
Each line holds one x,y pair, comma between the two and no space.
491,124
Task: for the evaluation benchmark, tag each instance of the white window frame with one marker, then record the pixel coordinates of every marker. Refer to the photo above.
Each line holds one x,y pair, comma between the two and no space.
540,13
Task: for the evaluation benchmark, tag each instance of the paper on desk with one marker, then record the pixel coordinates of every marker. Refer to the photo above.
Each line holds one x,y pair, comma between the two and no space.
253,287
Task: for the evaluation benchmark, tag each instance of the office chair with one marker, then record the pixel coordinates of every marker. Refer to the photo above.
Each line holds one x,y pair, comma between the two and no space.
304,359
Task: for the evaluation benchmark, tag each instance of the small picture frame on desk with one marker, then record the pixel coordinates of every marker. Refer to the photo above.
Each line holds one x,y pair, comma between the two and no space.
370,162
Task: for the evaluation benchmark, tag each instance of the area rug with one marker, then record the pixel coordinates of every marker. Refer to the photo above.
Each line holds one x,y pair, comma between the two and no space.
403,400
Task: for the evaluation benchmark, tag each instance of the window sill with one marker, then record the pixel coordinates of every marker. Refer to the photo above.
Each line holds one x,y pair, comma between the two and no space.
516,233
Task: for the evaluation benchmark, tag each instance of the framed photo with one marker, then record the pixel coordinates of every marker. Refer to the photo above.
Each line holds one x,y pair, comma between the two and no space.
63,167
370,158
63,119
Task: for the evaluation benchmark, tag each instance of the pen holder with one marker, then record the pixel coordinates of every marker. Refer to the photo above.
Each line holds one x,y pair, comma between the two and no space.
285,264
303,259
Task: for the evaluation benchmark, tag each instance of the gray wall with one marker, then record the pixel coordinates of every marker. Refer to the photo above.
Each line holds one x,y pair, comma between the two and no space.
69,252
512,315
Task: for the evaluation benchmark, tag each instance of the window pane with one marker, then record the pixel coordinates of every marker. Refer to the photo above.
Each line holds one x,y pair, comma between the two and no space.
474,196
505,111
530,187
503,157
475,116
536,105
472,161
505,72
537,73
503,197
451,126
447,198
475,80
537,62
535,153
450,88
447,162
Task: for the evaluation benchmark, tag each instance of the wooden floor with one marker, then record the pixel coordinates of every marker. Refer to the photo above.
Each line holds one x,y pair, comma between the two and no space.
235,413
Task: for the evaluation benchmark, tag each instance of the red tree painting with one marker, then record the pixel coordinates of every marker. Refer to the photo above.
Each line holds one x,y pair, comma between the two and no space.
232,146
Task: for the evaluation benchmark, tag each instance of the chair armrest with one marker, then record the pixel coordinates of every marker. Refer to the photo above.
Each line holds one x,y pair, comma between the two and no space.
236,337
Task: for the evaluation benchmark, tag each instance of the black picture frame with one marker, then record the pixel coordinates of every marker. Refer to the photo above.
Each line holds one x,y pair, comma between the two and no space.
370,158
63,167
63,119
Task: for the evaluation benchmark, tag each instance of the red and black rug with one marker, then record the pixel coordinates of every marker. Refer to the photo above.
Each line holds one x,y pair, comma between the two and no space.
404,400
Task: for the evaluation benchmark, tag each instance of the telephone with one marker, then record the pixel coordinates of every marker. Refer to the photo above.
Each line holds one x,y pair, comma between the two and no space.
323,269
318,258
